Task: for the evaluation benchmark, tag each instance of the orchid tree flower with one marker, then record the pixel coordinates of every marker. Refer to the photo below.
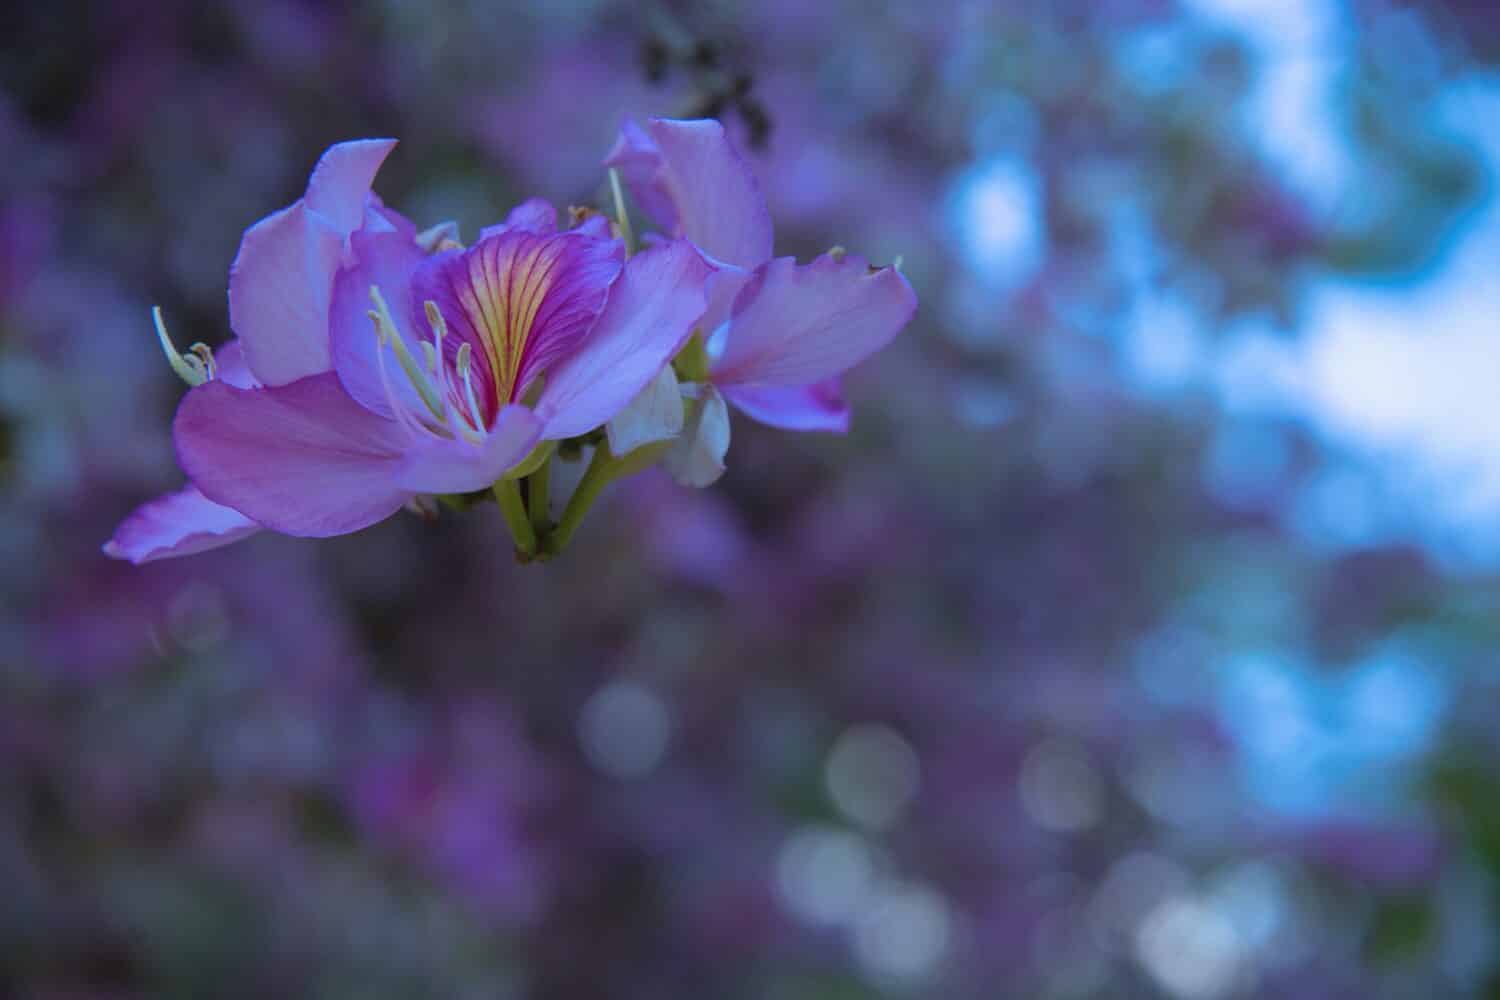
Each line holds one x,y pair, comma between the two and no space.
777,335
374,365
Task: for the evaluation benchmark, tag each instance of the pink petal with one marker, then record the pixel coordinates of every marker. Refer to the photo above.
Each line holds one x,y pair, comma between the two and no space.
817,407
693,182
230,367
279,284
341,181
388,261
724,286
278,294
456,466
651,312
596,227
535,215
796,325
303,459
380,219
639,162
177,524
523,300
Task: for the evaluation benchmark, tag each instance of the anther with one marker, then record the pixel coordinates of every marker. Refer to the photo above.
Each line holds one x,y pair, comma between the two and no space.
195,367
465,361
386,329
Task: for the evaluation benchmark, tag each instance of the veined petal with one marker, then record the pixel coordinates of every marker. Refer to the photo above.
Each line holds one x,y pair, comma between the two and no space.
696,458
386,261
688,176
278,294
341,181
524,301
796,325
817,407
177,524
651,312
303,459
655,414
456,466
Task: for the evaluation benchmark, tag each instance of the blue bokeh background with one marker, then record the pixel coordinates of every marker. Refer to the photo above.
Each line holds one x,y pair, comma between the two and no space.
1139,641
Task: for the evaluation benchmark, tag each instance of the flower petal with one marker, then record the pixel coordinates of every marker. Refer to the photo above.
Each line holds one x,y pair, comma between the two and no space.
817,407
523,300
278,294
303,459
651,312
341,181
796,325
456,466
381,219
386,261
534,215
697,457
177,524
693,182
230,367
639,161
655,414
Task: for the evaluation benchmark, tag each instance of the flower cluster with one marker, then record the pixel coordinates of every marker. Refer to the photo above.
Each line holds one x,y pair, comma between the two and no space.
376,366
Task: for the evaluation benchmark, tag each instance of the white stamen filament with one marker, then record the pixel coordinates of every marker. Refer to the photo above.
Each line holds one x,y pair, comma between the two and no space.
195,367
398,409
439,327
433,381
455,419
385,329
465,363
622,217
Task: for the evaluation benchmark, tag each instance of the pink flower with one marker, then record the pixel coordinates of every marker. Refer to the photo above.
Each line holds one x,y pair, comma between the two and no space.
374,371
778,334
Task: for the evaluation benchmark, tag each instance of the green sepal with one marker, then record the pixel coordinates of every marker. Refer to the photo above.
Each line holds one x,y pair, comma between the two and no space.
691,363
532,462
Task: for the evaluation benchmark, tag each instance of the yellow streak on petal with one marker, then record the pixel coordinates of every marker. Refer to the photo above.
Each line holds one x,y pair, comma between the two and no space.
502,296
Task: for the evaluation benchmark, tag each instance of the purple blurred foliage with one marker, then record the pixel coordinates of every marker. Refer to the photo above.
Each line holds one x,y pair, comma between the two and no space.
1033,679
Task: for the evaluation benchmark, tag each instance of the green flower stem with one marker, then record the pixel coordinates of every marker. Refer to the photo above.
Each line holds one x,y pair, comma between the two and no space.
508,496
601,472
538,490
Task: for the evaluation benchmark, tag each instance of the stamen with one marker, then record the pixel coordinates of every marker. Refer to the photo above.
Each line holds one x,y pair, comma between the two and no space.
465,359
206,355
194,368
398,409
622,218
443,236
386,329
439,327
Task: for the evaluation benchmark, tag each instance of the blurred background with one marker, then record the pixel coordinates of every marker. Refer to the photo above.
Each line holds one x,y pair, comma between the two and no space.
1138,642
